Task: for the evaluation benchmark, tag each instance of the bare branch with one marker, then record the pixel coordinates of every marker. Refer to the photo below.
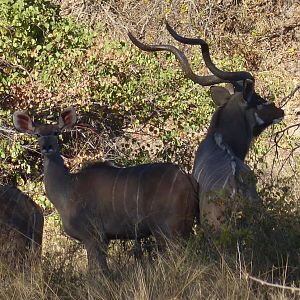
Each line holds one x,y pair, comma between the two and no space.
277,138
7,130
262,282
286,99
296,126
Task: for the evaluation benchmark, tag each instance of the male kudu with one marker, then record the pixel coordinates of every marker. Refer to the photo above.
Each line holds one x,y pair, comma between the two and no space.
103,202
21,227
219,166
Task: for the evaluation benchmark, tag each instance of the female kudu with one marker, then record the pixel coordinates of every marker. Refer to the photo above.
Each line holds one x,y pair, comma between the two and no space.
21,227
103,202
219,166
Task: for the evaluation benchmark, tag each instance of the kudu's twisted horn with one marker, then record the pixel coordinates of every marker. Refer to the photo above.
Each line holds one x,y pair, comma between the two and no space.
202,80
236,78
228,76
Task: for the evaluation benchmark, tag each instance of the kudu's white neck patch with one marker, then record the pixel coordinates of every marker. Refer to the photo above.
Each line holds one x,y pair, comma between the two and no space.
260,106
258,120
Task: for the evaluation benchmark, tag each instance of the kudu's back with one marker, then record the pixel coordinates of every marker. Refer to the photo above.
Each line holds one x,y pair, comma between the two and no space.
134,202
21,223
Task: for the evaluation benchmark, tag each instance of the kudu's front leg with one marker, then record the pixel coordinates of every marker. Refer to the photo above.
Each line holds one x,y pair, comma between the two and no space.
137,250
97,253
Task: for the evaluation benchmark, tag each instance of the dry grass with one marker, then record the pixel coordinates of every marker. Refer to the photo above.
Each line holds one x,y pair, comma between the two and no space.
180,273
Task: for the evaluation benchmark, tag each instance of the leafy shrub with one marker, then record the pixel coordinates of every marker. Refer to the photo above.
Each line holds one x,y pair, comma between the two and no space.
35,39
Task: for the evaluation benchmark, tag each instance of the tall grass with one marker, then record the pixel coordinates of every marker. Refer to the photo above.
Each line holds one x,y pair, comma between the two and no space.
192,272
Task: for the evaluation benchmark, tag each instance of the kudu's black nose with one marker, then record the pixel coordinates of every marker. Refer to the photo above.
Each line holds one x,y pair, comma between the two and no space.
46,149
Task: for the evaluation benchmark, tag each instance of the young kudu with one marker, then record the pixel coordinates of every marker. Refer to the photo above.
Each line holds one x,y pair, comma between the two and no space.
219,166
103,202
21,227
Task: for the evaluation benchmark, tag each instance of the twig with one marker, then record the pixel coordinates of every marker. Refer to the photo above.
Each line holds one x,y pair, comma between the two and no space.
6,130
262,282
277,138
6,64
239,255
289,96
87,127
286,129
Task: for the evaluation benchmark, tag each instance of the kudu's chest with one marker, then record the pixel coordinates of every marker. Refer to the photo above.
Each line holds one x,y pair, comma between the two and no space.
217,169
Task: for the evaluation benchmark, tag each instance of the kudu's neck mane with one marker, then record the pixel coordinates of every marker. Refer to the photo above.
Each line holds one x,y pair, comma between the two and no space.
57,179
230,122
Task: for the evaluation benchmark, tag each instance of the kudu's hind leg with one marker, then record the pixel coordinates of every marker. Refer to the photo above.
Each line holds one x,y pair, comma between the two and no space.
161,240
172,232
137,249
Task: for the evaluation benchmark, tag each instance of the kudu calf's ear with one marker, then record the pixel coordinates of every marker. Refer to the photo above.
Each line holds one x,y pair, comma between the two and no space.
22,122
67,119
219,95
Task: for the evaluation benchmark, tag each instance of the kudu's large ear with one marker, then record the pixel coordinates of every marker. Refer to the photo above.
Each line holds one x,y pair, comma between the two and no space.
220,95
22,122
67,119
248,90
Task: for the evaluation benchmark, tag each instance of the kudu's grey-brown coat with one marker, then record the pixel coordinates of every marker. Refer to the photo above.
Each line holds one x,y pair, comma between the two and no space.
103,202
219,166
21,227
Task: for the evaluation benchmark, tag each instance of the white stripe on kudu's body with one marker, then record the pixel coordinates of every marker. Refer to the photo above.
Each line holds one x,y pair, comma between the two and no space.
103,202
114,190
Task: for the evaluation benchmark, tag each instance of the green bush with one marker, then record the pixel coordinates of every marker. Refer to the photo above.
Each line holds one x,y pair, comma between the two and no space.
35,39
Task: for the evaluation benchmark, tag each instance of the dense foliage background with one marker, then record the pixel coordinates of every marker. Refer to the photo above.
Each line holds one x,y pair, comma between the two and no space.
136,107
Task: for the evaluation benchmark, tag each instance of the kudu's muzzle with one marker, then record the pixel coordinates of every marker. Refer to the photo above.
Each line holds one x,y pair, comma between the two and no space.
48,144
